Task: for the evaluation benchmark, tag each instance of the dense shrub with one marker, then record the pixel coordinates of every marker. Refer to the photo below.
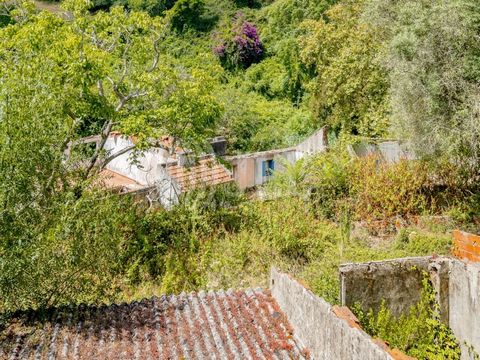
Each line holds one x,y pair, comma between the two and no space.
420,333
383,191
240,46
152,7
168,246
377,193
186,14
252,123
328,181
69,255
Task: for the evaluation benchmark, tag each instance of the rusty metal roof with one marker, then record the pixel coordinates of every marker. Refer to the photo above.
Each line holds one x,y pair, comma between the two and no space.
221,325
207,171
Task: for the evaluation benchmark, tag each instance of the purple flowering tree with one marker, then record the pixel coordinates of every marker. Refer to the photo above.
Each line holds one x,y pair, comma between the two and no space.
241,47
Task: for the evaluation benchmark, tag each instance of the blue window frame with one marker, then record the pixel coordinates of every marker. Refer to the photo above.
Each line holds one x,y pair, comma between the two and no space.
267,167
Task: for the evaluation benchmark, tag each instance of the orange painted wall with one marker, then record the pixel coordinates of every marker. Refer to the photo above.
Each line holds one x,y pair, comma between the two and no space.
466,246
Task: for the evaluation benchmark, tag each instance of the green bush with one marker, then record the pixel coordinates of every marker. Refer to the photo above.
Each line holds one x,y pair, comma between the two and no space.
328,180
167,246
420,333
70,255
187,14
383,191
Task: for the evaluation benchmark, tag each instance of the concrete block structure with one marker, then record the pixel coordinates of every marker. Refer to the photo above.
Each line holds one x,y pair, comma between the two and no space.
255,169
286,322
398,282
389,151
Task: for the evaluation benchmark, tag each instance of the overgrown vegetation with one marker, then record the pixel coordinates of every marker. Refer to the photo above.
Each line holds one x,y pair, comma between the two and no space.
236,246
420,333
264,74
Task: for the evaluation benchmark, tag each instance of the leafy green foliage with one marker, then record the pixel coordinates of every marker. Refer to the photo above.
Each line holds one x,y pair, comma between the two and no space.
169,246
283,17
420,333
349,91
430,50
252,123
186,14
153,7
60,233
69,255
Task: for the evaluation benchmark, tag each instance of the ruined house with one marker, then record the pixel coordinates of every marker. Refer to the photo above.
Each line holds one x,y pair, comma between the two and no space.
173,171
285,322
397,283
255,169
161,173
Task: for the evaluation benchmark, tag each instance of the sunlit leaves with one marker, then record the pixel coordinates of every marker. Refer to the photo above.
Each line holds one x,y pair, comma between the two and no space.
63,78
349,91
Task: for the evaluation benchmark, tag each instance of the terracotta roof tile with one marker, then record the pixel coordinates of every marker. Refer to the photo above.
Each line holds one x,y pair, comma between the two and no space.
207,171
221,325
113,180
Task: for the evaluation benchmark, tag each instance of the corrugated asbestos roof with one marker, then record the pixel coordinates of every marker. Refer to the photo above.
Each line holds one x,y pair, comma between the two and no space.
221,325
207,171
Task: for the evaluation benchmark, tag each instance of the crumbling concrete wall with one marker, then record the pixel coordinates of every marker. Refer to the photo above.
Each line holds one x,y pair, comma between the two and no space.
248,168
315,143
464,304
318,328
390,151
398,282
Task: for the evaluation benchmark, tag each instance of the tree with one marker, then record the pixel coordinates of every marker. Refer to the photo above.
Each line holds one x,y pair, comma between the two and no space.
61,80
350,87
186,14
431,50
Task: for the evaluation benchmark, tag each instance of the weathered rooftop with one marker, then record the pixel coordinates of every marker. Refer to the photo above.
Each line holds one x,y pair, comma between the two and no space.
221,325
114,180
207,171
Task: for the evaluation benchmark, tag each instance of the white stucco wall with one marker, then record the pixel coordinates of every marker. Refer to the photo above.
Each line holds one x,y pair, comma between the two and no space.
149,167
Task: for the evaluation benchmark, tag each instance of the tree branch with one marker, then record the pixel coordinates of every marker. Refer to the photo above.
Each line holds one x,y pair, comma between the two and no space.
100,88
156,55
117,154
107,128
